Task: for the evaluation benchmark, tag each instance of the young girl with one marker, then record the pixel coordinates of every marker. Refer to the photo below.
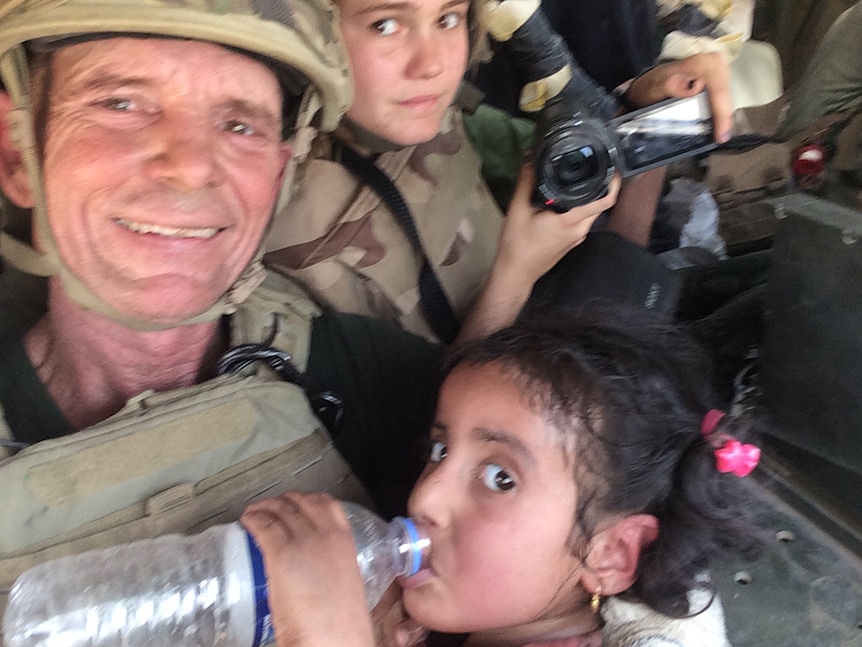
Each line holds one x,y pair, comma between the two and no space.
570,461
342,242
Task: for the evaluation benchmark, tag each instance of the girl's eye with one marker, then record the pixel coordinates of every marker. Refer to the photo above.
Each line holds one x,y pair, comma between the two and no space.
438,452
385,27
450,20
496,478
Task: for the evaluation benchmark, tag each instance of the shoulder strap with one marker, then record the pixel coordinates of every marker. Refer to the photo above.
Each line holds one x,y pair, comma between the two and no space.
435,306
273,328
327,405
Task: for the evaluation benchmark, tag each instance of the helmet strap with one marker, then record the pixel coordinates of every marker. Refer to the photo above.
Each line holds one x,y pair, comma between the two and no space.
16,78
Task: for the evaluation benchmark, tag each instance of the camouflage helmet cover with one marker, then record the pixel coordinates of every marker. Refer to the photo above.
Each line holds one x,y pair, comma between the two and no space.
300,35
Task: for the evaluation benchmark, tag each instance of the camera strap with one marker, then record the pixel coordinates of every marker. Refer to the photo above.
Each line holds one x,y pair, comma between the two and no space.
432,299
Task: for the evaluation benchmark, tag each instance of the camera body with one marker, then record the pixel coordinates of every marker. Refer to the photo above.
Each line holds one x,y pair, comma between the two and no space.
577,154
579,144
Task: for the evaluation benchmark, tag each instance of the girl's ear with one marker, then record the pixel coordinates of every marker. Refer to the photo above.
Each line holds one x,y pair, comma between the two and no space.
612,562
13,176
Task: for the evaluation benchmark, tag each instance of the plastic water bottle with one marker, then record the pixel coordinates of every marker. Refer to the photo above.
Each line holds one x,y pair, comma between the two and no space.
183,591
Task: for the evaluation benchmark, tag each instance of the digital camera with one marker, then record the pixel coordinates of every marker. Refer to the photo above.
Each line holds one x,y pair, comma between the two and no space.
577,155
579,145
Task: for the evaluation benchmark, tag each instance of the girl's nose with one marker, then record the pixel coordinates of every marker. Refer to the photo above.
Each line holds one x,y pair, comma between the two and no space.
431,497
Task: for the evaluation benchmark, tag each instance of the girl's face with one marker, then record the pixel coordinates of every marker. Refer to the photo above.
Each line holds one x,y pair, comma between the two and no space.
497,499
407,58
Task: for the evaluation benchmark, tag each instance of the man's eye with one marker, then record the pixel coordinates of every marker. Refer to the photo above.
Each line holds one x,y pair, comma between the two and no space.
438,452
450,20
496,478
117,104
385,27
238,127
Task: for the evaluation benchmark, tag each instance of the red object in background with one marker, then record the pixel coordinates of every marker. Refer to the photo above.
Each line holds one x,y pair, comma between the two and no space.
809,164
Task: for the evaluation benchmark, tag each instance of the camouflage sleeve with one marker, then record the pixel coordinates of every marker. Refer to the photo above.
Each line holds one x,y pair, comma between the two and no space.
695,26
501,141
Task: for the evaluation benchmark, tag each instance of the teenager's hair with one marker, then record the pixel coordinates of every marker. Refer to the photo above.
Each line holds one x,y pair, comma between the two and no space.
627,392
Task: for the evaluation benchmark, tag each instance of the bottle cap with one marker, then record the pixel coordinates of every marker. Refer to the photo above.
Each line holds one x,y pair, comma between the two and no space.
417,545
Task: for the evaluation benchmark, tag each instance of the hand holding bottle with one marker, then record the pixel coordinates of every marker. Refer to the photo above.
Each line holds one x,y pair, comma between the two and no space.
331,562
315,590
392,626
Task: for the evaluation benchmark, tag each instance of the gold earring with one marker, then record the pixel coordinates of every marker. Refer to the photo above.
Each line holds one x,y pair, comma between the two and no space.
596,599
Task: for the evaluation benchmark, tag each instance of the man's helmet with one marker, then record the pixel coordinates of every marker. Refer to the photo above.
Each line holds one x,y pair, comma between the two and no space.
297,36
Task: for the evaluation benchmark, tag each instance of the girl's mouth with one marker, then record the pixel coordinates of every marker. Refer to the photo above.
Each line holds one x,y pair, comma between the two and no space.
418,579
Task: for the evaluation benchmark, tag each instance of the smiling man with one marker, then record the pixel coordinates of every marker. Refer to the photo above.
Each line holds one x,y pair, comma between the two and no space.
171,380
160,179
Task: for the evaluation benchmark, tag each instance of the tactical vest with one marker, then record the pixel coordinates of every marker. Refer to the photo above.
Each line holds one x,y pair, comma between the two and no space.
355,256
176,461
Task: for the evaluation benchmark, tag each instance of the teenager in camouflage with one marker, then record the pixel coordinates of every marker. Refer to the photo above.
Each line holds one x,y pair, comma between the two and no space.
408,61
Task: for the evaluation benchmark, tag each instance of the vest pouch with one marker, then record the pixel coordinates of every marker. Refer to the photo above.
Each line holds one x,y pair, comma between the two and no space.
174,462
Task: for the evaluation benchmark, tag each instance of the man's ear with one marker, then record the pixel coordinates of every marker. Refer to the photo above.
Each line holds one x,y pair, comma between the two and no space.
13,176
612,562
285,154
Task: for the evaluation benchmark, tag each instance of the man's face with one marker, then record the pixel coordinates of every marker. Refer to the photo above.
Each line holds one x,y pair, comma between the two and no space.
162,161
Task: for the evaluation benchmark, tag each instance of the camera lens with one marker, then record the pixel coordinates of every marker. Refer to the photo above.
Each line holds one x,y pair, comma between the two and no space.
576,165
575,162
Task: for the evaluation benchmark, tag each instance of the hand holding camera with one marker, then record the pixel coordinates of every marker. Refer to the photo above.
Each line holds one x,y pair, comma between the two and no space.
579,144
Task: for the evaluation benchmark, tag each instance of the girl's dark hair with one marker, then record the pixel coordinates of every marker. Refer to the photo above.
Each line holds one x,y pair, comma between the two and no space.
628,392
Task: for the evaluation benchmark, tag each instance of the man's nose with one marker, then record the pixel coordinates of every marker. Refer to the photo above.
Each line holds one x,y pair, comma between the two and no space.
184,153
426,55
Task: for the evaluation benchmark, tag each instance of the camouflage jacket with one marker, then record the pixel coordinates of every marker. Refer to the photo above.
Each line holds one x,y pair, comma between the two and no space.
354,255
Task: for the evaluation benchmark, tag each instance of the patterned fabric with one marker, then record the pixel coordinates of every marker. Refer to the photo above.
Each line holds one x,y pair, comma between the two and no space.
705,26
355,257
631,624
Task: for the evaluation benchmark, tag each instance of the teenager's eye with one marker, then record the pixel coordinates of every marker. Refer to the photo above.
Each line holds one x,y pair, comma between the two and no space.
450,20
438,452
385,27
496,478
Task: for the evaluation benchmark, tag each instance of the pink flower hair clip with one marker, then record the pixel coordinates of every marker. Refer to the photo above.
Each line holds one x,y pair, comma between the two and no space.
730,454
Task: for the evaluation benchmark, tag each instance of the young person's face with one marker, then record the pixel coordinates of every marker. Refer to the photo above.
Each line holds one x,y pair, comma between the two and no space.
162,162
497,500
407,58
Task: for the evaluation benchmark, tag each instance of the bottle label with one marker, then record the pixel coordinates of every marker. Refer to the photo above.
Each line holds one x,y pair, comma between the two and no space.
264,632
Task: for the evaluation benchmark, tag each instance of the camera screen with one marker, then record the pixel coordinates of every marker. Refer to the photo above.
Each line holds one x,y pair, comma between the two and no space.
660,134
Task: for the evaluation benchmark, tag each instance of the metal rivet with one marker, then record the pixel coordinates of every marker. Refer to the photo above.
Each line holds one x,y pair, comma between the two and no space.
742,577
